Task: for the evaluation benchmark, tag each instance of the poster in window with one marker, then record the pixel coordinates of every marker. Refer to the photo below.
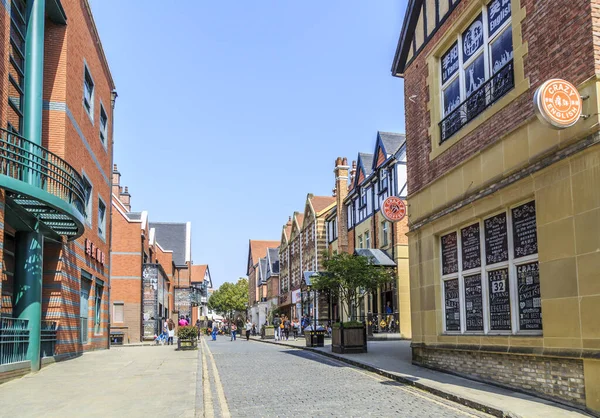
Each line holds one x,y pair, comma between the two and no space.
452,302
498,15
451,97
450,63
449,253
499,300
473,303
530,305
470,247
472,39
475,75
501,50
524,230
496,239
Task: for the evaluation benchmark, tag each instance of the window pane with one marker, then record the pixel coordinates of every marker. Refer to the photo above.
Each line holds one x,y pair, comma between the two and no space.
472,39
449,63
524,230
501,50
451,97
470,246
499,300
449,253
530,306
452,302
498,14
474,303
475,75
496,239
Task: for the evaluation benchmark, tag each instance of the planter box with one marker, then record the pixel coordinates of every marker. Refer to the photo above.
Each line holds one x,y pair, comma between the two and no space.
349,340
187,344
267,333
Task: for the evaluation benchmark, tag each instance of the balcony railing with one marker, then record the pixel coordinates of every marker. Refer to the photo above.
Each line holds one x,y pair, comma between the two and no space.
482,98
37,168
14,340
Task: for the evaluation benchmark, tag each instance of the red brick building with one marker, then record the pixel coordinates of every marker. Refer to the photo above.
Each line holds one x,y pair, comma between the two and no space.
503,204
257,292
56,111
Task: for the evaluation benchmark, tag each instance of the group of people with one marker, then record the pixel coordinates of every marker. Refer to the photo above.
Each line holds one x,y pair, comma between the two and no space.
168,331
283,327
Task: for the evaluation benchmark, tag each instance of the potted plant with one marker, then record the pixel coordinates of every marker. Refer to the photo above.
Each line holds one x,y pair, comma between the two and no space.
187,338
350,278
267,332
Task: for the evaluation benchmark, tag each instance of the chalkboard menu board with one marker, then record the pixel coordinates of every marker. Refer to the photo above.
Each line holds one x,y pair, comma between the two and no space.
524,230
451,297
449,253
473,303
530,305
496,239
471,251
499,300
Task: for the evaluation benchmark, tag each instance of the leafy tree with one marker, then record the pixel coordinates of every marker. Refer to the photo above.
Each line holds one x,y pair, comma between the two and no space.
350,278
229,298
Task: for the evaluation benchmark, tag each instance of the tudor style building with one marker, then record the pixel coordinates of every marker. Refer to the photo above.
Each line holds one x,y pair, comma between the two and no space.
257,292
56,112
504,208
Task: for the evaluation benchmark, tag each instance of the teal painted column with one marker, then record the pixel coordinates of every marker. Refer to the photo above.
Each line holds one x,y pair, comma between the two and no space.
28,289
28,257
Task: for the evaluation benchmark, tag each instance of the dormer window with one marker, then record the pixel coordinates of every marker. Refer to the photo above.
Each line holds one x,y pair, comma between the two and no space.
363,197
383,180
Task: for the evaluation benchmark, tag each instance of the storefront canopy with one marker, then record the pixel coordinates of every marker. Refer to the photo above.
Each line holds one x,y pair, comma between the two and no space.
377,257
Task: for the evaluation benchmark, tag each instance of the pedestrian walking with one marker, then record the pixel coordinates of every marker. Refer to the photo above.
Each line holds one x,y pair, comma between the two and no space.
276,327
171,327
182,321
249,327
295,328
209,326
233,330
215,328
286,327
199,327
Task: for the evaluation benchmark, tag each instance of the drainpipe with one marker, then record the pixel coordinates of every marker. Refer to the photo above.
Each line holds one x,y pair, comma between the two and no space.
113,99
29,257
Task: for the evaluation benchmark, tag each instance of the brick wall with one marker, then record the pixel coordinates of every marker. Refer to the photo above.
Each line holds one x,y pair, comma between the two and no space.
546,377
571,53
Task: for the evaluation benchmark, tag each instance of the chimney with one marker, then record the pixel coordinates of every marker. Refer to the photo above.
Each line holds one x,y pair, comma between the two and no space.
125,198
116,181
341,187
352,174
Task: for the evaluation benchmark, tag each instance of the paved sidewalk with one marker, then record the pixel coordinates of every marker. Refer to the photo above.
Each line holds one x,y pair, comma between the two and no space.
393,359
120,382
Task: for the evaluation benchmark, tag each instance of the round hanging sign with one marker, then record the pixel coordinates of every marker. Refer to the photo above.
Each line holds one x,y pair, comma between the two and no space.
558,103
393,209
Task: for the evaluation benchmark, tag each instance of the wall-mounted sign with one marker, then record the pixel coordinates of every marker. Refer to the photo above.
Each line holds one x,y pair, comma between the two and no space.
393,209
557,103
94,252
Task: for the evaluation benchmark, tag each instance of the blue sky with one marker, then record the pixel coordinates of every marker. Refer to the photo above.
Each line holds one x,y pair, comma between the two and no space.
229,113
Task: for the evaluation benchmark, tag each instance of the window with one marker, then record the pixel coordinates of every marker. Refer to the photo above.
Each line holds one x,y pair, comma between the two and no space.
490,275
84,297
87,189
477,69
118,312
360,241
88,92
363,197
101,219
367,239
103,125
97,308
16,65
384,230
383,180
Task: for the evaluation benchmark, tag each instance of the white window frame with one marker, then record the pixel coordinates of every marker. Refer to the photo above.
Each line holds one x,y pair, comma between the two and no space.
384,229
360,241
89,108
102,231
103,129
367,239
511,264
485,49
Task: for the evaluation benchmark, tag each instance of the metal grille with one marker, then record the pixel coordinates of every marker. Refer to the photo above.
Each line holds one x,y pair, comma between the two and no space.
48,340
482,98
14,340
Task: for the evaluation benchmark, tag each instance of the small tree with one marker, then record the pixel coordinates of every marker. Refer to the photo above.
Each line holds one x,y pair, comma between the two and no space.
350,278
229,298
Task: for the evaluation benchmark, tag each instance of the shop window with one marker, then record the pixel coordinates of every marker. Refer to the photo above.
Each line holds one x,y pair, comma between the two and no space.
103,125
477,69
101,219
490,275
118,312
88,92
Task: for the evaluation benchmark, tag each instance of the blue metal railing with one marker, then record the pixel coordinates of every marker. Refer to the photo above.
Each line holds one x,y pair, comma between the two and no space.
14,340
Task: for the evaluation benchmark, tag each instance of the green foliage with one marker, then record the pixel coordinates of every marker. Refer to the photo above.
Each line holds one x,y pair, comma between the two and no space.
349,324
350,278
229,297
187,333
